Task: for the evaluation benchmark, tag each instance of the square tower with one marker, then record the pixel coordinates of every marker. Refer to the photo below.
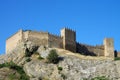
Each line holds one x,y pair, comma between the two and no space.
69,39
109,47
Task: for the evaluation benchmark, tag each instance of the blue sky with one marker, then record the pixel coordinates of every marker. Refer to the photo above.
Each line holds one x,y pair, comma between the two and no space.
93,20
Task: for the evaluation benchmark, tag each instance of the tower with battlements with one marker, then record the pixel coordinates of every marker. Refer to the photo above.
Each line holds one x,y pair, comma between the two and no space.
69,39
109,47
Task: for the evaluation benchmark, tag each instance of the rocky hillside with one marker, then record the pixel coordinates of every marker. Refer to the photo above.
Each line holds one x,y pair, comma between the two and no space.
71,66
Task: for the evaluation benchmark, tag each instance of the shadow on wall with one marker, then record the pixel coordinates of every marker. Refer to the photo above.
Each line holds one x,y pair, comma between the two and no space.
115,53
84,50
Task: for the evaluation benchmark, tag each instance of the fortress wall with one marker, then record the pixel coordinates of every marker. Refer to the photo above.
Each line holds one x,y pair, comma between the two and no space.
12,42
25,35
109,47
69,39
118,54
90,50
39,38
55,41
70,45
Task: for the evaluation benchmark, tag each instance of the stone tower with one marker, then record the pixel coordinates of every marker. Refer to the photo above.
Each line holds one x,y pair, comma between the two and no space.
69,39
109,47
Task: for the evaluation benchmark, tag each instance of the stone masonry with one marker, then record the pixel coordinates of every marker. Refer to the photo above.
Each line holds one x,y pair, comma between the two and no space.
67,40
109,47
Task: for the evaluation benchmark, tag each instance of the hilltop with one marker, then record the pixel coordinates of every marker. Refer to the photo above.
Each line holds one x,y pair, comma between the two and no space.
71,66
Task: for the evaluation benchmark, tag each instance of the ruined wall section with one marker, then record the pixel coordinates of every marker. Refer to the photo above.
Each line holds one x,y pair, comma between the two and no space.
55,41
38,38
90,50
12,42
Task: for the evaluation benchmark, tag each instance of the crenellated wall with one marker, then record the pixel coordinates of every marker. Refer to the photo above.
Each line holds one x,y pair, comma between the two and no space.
55,41
90,50
67,40
39,38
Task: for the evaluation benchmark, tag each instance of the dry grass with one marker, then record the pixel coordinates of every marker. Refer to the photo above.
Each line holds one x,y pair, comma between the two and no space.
69,53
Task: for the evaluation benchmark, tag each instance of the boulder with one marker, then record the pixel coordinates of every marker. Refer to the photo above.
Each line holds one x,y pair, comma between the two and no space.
43,51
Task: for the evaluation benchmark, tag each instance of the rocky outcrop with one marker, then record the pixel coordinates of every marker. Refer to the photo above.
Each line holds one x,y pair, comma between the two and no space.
43,51
72,66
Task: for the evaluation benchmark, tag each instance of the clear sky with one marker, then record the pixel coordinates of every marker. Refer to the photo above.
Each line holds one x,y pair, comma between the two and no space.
93,20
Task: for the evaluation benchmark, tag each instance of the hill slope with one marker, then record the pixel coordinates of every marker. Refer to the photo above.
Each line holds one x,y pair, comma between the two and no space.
72,66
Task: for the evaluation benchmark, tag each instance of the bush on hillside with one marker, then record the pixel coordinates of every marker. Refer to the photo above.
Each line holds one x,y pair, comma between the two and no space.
117,58
53,57
60,68
19,69
28,59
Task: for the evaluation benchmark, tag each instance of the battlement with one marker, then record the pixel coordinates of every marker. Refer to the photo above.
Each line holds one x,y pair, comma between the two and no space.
90,50
69,29
67,40
92,46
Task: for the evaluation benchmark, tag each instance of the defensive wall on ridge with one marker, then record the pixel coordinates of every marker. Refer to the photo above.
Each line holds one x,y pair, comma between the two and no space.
90,50
67,40
38,38
13,41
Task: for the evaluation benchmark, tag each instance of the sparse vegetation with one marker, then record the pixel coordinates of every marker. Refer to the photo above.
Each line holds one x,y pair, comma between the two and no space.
117,58
12,76
28,53
63,76
84,79
53,57
97,78
40,58
60,68
36,53
19,69
28,60
100,78
44,78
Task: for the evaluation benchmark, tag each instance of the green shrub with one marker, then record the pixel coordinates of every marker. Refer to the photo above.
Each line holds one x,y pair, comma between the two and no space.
63,76
100,78
84,79
117,58
53,57
28,60
19,69
60,68
12,76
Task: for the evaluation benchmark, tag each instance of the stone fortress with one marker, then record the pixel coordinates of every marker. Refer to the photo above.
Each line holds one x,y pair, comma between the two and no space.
67,40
